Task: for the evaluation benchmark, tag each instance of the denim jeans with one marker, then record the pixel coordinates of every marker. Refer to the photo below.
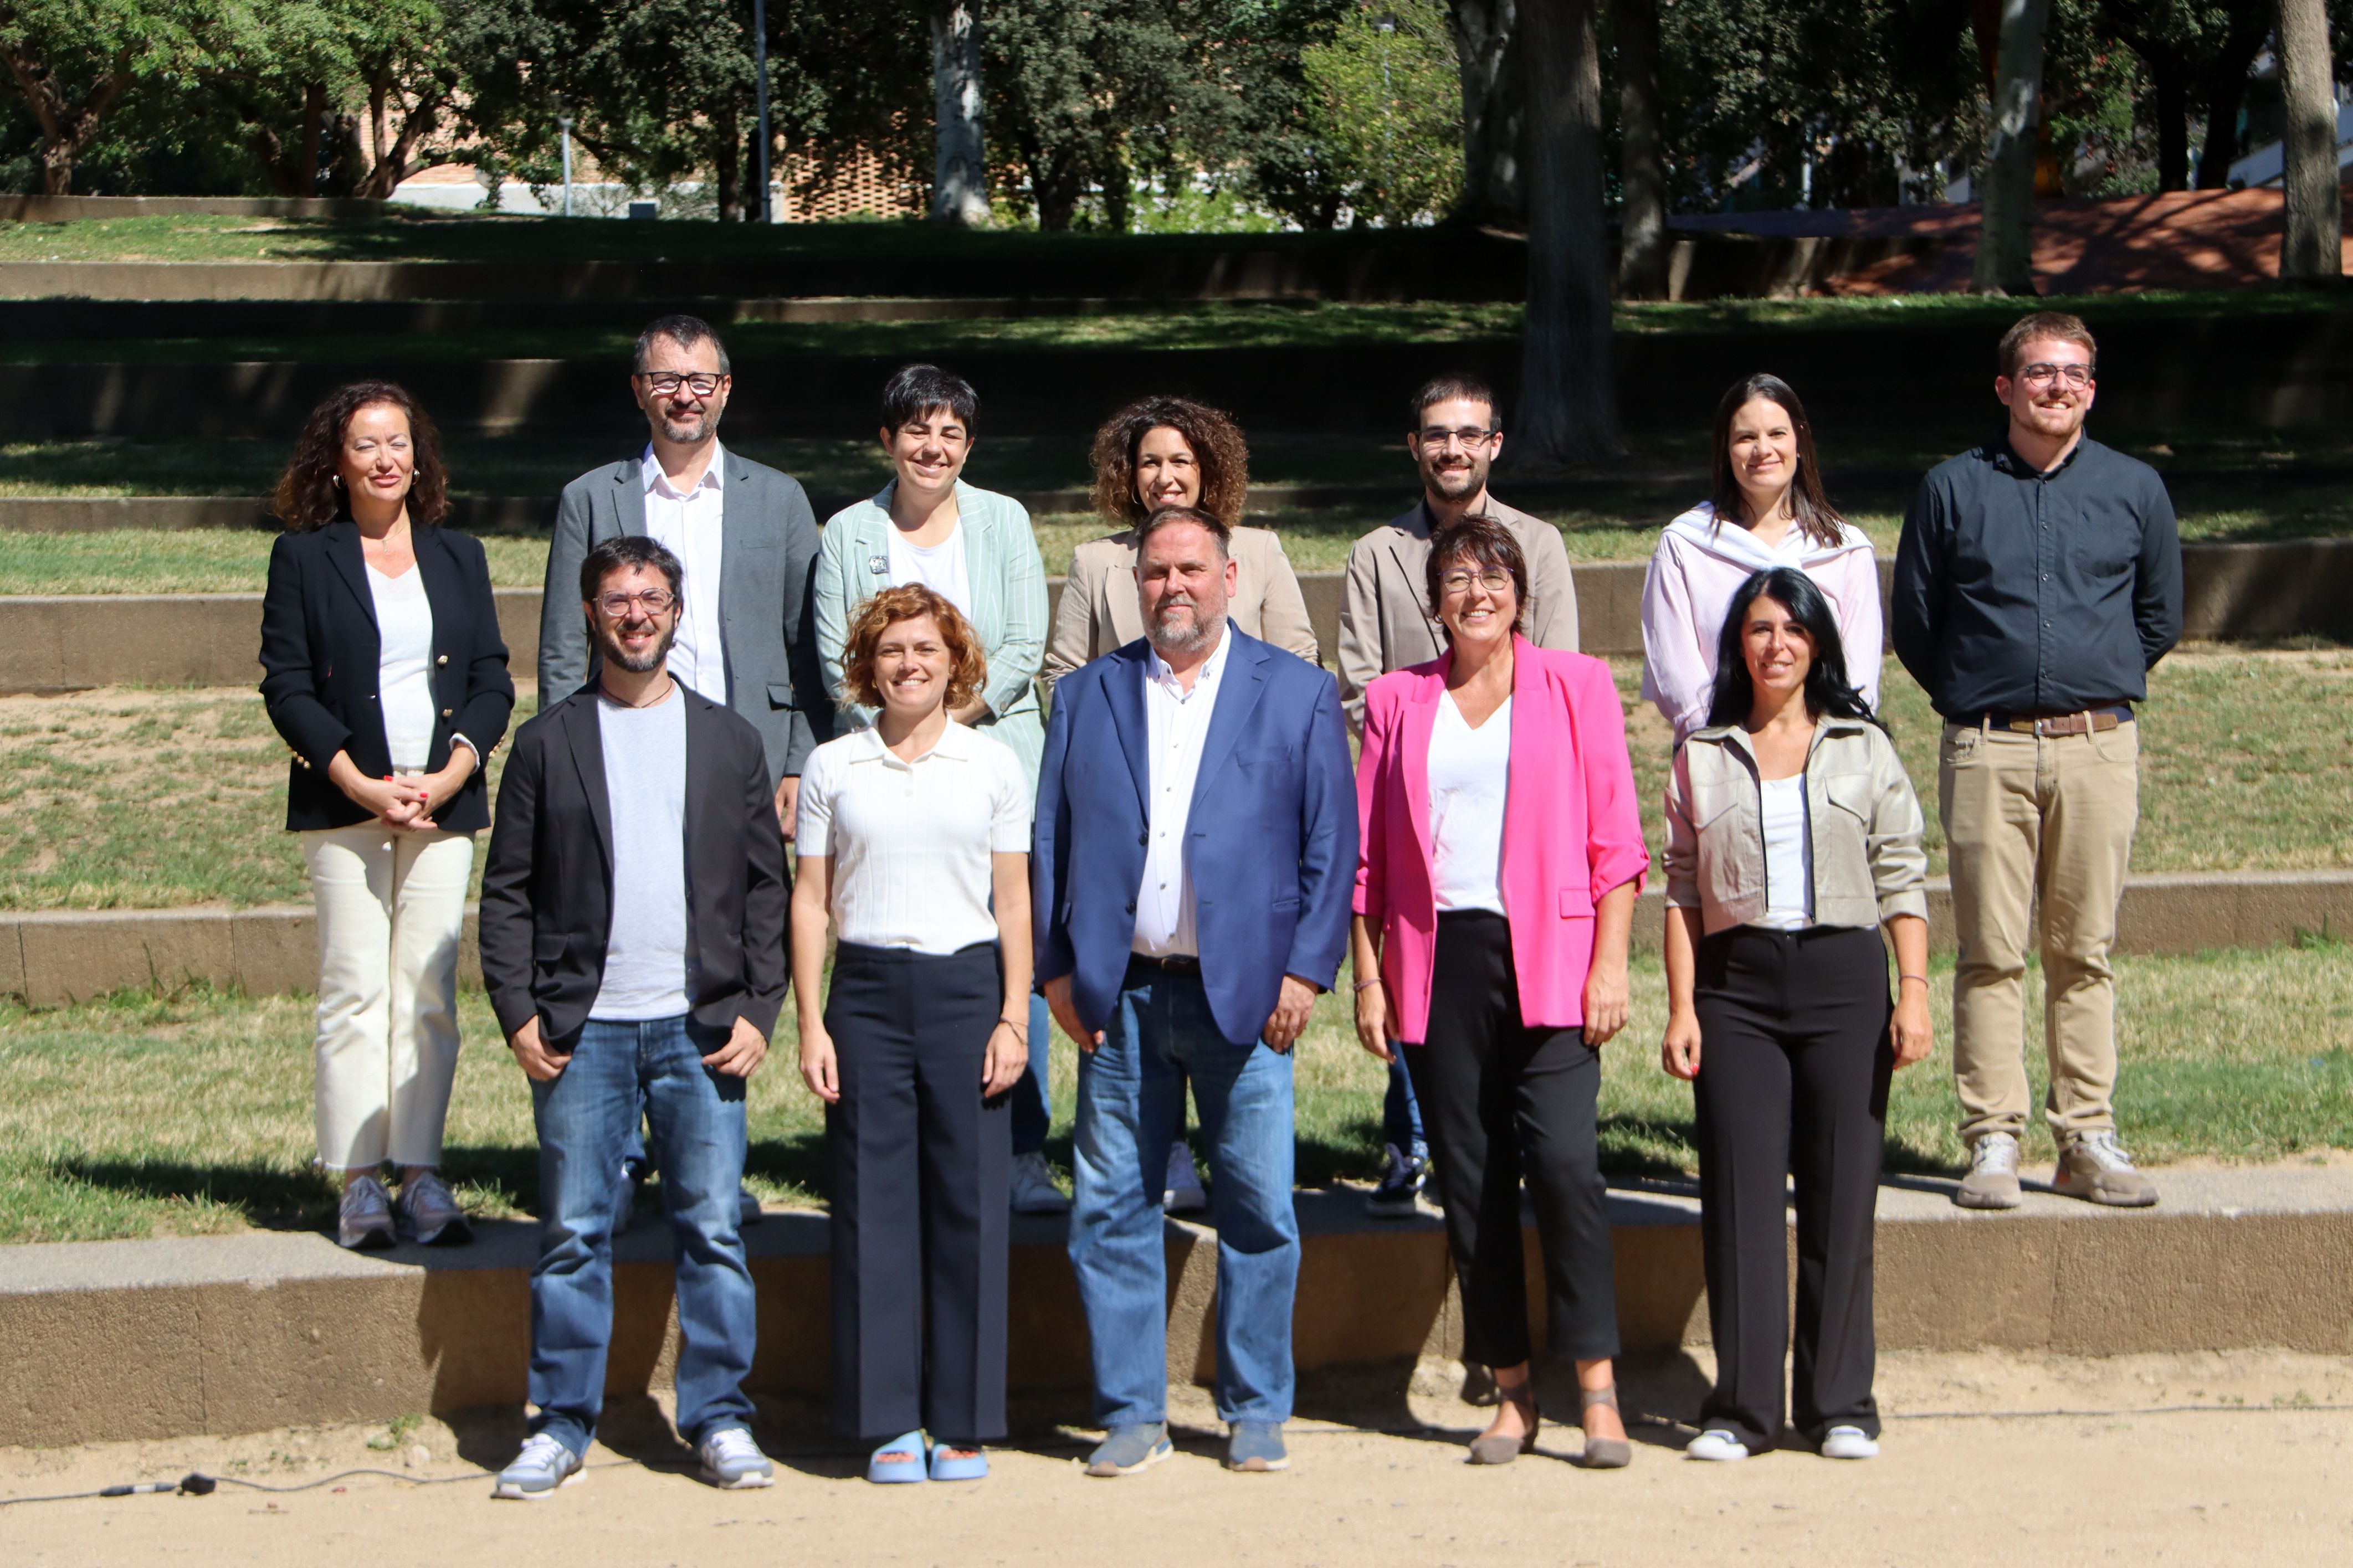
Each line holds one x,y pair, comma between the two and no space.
1130,1109
1032,1106
1401,1113
585,1119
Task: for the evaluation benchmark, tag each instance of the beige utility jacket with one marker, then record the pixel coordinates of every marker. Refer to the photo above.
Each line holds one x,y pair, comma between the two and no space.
1863,819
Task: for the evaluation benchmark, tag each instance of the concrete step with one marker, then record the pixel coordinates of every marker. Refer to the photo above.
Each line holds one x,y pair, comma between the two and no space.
131,1339
52,958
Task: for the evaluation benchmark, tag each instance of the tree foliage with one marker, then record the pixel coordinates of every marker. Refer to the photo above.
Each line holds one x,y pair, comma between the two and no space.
1387,111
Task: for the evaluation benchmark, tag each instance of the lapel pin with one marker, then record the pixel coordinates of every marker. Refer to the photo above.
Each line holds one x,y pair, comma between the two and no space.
879,565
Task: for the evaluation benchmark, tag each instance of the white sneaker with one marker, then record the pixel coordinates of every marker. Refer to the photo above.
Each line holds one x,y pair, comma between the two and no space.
1184,1194
732,1461
1034,1190
1717,1447
543,1465
1849,1443
1992,1178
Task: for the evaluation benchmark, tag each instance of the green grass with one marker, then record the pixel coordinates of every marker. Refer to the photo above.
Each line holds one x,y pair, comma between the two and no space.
141,1115
138,799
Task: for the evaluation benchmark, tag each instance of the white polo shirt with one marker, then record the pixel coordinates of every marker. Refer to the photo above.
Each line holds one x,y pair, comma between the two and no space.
910,842
687,524
1177,727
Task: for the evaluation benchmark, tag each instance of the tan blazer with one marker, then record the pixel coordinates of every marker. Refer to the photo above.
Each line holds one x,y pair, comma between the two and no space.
1099,611
1385,619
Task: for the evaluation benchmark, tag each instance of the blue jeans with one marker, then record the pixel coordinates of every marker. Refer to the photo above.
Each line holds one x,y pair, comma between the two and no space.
1130,1109
1401,1113
1033,1105
584,1117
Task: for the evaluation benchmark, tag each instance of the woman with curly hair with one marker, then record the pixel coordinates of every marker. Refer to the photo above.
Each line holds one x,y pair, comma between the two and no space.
914,843
384,673
1170,451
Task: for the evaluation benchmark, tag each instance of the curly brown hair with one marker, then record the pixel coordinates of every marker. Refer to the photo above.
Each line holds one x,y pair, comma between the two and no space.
1218,446
967,666
308,496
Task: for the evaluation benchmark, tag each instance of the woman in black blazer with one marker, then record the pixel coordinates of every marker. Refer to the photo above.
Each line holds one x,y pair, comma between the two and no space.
384,672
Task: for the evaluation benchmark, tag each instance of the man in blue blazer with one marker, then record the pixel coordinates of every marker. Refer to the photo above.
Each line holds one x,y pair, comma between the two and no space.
1194,857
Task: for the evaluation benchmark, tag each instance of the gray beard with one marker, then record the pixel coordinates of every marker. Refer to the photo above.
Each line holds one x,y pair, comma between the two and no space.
1165,639
704,427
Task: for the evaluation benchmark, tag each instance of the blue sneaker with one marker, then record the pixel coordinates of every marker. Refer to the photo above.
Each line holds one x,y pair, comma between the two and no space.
1256,1446
545,1464
732,1461
1131,1448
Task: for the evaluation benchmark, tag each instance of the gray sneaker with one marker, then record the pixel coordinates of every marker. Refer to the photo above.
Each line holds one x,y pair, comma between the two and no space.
1256,1446
1992,1181
363,1220
543,1465
2094,1166
1131,1448
429,1213
732,1461
747,1209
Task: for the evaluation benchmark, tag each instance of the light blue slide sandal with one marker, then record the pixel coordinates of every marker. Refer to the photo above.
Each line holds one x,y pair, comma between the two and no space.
971,1467
883,1469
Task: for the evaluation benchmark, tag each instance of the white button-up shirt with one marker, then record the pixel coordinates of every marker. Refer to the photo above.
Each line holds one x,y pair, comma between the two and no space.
1176,726
687,525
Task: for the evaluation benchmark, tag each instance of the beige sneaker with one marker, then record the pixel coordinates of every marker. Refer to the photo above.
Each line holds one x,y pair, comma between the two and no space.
1992,1181
2094,1167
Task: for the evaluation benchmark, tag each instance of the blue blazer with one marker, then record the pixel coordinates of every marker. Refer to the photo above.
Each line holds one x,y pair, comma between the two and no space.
1272,833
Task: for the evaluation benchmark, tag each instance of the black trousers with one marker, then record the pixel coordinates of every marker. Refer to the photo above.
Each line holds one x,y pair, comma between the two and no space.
921,1175
1794,1063
1500,1101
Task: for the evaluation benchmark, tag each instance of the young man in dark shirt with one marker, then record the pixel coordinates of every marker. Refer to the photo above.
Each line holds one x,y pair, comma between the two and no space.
2037,580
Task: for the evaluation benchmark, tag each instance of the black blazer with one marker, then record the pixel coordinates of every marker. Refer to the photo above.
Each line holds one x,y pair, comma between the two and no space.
319,657
547,887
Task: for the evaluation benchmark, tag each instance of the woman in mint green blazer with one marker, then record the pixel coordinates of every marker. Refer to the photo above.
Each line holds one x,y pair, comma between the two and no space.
972,545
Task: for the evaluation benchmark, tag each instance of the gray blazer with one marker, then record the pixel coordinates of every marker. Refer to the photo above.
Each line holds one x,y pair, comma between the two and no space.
767,608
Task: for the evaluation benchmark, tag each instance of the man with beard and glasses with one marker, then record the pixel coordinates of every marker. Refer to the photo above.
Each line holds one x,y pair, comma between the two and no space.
748,540
1387,623
632,939
2038,580
1193,870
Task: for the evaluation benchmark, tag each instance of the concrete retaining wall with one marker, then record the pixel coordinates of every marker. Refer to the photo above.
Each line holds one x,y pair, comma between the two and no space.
68,209
55,957
147,1340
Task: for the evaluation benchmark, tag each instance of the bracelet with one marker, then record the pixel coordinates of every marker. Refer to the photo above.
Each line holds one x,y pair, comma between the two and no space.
1021,1029
1901,977
1364,986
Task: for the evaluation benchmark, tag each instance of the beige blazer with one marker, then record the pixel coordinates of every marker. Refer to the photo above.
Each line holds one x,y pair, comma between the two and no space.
1385,619
1099,611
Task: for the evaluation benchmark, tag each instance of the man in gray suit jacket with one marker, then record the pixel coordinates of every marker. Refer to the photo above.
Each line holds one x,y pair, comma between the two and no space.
747,630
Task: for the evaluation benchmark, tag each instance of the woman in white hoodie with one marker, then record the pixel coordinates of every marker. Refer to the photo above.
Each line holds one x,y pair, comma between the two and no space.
1767,510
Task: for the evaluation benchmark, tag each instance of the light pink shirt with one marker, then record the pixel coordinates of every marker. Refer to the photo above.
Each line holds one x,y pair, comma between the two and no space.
1688,590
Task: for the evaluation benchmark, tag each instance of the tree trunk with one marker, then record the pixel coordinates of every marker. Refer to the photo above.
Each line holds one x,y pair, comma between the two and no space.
2172,124
307,161
1494,99
379,128
66,126
727,162
1568,395
2313,245
2005,258
1642,232
2223,96
960,156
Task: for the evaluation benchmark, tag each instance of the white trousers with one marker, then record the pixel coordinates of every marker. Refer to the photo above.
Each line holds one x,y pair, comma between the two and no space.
392,909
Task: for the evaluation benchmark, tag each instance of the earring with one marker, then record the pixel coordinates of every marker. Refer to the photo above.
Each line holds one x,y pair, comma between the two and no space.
336,479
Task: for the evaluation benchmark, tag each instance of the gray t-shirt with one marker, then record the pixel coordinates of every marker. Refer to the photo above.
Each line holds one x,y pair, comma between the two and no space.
645,957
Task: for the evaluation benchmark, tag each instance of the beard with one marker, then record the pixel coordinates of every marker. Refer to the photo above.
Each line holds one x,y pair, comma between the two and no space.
1194,632
696,427
609,643
1457,484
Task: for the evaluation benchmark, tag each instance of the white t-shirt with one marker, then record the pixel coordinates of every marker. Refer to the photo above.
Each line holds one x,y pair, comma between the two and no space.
646,947
1469,771
939,567
910,842
690,527
404,681
1789,857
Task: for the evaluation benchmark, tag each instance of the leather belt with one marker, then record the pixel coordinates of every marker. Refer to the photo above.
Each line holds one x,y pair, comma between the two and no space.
1175,963
2087,721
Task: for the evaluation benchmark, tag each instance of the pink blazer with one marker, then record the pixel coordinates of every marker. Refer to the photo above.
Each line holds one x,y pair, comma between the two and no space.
1571,829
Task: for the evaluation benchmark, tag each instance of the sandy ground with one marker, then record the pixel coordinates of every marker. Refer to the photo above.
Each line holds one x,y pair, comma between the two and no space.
2232,1459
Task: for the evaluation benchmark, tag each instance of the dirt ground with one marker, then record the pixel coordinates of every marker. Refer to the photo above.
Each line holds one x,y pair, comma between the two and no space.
2244,1457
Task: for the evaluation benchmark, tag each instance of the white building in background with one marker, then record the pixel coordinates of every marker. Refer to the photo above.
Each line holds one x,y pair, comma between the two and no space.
2265,165
865,188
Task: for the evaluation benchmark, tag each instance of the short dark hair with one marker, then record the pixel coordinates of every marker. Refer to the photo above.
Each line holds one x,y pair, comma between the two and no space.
1458,383
1170,516
1829,693
1484,540
2056,325
622,551
686,331
914,390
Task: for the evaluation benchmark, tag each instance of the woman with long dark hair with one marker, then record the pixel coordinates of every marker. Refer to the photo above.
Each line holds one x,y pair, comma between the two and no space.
384,672
1793,835
1765,508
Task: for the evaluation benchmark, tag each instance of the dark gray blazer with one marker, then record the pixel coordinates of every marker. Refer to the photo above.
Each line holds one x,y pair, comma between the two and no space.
767,602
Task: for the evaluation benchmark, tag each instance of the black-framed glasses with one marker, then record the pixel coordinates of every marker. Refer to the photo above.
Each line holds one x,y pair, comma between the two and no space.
655,600
2045,372
1469,435
1494,579
662,382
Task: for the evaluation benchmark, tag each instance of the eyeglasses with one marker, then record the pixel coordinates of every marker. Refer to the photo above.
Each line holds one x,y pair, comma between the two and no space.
1494,579
662,382
2043,374
1469,435
655,600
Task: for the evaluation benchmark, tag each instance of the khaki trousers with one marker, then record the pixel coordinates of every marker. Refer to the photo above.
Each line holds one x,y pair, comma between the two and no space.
392,909
2031,820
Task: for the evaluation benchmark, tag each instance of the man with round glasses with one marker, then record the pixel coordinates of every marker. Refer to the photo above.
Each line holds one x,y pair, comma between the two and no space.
746,633
2037,580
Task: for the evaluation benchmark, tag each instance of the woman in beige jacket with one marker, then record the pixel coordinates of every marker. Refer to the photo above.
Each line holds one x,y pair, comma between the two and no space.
1793,835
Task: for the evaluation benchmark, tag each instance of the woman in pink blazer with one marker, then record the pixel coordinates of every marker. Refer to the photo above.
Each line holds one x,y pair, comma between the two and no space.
1501,854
